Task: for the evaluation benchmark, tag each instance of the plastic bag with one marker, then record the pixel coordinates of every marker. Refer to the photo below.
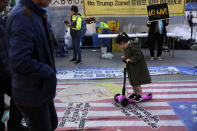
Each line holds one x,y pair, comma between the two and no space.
68,38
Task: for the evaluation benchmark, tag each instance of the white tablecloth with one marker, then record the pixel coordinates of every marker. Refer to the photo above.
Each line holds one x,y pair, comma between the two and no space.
134,35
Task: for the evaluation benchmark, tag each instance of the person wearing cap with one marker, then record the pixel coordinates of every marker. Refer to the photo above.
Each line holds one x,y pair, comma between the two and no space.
75,31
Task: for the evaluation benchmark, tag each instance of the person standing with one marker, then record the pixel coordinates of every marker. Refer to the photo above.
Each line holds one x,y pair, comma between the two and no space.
15,117
136,66
32,64
189,18
156,33
76,34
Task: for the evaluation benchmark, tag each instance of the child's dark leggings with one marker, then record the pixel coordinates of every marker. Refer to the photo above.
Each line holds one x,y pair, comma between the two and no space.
136,90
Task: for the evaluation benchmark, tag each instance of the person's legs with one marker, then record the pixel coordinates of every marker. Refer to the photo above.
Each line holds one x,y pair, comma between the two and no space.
78,48
191,31
160,45
42,118
152,45
137,90
2,125
15,117
74,49
137,93
53,114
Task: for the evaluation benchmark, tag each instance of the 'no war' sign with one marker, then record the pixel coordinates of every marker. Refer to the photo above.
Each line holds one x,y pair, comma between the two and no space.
157,12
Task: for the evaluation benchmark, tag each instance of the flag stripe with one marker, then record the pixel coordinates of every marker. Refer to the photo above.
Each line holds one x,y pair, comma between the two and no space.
145,86
123,118
111,105
163,93
126,128
152,100
118,113
171,90
154,82
125,123
60,109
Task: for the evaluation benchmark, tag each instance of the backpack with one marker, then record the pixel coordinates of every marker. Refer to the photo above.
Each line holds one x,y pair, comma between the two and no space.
83,26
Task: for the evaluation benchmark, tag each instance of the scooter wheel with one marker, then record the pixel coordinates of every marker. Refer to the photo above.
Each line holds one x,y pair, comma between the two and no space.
115,99
124,102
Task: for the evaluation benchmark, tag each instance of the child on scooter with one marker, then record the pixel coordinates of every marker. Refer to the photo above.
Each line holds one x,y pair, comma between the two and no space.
138,73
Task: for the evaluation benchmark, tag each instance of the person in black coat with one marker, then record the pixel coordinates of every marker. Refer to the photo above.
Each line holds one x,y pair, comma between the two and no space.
15,117
156,33
32,64
189,19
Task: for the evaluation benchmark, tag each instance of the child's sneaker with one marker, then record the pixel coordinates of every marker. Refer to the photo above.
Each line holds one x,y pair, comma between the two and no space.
132,96
137,98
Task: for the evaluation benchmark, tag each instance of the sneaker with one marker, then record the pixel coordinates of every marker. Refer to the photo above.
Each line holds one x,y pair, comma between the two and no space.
151,58
78,61
159,58
132,96
138,98
73,59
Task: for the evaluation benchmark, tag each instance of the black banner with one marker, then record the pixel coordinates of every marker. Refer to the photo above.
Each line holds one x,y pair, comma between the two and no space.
157,12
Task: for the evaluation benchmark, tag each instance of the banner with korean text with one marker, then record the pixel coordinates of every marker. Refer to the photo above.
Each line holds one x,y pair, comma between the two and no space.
62,3
129,7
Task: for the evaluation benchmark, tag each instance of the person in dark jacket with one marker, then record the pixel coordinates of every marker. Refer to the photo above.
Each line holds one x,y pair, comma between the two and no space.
76,34
156,33
138,73
15,117
32,64
189,19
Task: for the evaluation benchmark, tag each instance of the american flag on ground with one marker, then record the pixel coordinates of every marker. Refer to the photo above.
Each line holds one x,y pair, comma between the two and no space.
90,106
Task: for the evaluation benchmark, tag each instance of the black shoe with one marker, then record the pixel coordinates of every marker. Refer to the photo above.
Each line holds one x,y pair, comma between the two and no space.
17,128
132,96
73,59
78,61
2,126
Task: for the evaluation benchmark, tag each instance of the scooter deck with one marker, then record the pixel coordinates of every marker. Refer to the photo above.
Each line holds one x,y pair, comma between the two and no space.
145,97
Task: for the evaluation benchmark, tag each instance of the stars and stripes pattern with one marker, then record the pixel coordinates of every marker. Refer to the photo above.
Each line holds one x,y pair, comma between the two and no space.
109,116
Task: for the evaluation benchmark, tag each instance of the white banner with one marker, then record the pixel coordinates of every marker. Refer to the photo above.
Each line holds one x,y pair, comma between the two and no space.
108,73
100,73
59,3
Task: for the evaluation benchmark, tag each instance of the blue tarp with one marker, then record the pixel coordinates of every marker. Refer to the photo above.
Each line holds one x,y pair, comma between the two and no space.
191,6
